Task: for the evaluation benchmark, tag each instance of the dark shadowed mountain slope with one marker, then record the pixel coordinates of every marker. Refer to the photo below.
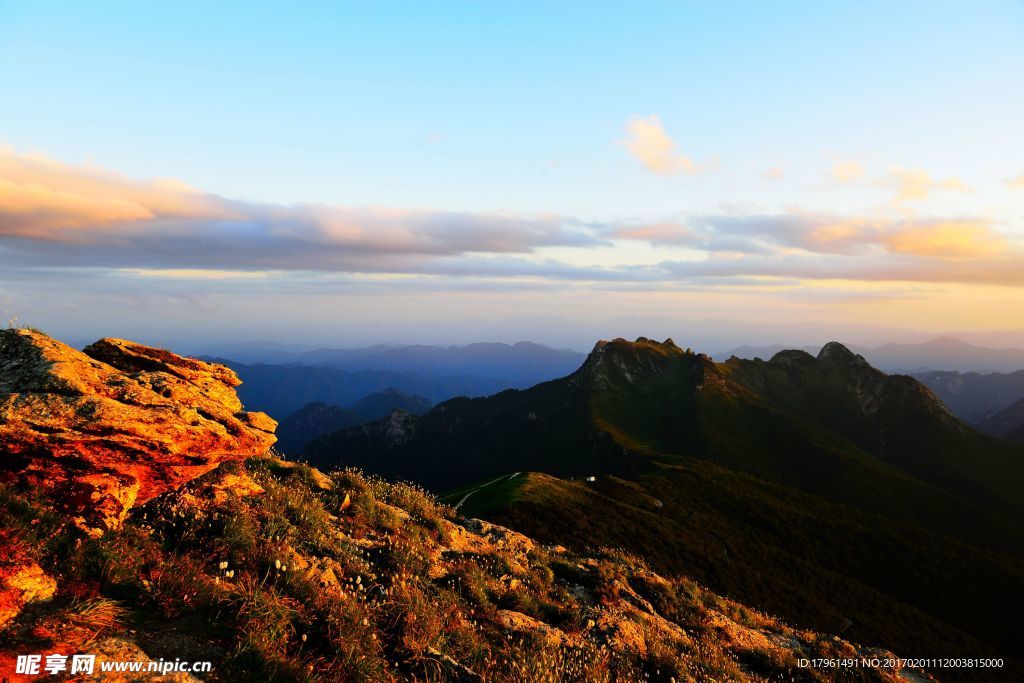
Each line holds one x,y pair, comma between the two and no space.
316,419
1007,423
973,397
857,489
311,421
830,425
383,403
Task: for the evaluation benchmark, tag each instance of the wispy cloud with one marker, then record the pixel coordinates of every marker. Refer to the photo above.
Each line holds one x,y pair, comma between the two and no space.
915,184
825,234
1015,183
906,184
846,171
649,144
55,212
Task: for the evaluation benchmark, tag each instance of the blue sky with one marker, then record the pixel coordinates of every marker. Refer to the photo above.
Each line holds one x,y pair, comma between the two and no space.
803,116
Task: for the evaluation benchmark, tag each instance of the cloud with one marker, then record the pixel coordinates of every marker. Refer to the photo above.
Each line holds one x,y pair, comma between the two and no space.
1015,183
59,222
1005,271
668,232
825,234
947,239
908,184
648,142
43,199
57,215
847,171
913,184
775,173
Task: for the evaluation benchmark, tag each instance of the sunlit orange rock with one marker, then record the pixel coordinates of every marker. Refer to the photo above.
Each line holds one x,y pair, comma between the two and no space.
22,580
116,424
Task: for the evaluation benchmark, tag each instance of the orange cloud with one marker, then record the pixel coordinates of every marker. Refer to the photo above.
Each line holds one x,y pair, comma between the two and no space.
1015,183
948,239
130,223
648,142
54,216
847,171
45,199
912,184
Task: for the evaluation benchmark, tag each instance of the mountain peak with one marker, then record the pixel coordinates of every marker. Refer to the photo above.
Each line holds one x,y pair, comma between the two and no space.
639,343
837,353
624,351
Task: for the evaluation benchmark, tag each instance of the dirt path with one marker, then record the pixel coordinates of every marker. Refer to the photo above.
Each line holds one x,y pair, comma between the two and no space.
493,481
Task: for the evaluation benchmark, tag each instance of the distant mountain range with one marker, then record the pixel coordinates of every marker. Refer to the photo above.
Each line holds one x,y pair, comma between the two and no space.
972,396
340,377
316,419
1007,423
942,353
522,364
865,504
280,390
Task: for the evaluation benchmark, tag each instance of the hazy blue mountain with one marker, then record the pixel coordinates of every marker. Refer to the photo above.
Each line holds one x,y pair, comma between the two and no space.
339,377
975,397
943,353
280,390
318,418
523,364
383,403
1007,423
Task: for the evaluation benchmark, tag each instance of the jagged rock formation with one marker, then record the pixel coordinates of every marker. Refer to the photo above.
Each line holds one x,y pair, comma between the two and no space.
117,424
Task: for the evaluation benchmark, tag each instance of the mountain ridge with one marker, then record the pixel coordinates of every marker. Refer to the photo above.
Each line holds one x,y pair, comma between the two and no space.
944,353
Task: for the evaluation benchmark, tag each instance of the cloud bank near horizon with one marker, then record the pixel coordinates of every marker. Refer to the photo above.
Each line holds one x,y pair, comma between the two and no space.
55,216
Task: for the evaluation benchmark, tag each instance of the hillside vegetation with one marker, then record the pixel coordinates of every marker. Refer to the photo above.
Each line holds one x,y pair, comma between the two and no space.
274,571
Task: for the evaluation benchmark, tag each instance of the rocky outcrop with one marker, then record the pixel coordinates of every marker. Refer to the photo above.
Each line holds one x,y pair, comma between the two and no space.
115,425
22,580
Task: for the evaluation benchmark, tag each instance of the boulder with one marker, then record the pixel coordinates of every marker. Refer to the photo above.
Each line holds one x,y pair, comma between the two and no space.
117,424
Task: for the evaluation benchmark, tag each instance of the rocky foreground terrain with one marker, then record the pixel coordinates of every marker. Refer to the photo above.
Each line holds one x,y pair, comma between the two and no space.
145,516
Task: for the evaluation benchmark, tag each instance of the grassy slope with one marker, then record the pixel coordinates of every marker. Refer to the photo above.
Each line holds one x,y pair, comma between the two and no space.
772,547
276,572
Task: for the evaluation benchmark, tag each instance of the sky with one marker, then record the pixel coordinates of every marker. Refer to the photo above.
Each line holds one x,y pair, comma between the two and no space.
353,173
